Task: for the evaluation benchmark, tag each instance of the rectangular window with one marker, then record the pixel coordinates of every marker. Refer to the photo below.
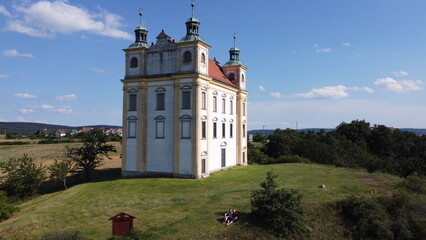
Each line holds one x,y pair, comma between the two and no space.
244,157
231,107
214,130
132,102
159,129
203,100
223,130
244,109
186,100
230,130
223,157
203,130
160,101
214,104
132,129
244,130
223,105
203,165
185,129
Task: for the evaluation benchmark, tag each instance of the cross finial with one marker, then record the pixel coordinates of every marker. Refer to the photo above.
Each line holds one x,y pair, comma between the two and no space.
235,40
192,5
140,16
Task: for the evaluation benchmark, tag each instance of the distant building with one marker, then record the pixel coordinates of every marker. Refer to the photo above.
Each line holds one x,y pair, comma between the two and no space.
184,114
60,133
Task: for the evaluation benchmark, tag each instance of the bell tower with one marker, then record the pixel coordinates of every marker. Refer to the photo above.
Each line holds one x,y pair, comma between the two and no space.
193,52
234,70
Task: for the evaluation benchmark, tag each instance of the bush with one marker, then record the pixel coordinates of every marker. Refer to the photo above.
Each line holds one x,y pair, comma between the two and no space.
415,183
6,209
293,159
279,211
64,235
366,218
22,177
255,155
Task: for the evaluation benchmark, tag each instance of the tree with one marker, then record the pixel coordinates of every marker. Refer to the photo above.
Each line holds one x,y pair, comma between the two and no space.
60,169
278,210
21,177
91,153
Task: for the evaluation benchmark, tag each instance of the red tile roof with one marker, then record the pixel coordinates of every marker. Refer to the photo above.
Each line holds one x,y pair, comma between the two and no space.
216,72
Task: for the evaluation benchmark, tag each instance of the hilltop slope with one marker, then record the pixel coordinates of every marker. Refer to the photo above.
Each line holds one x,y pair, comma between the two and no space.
191,209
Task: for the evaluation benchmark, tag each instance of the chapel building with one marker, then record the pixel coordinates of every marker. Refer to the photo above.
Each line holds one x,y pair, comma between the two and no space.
184,114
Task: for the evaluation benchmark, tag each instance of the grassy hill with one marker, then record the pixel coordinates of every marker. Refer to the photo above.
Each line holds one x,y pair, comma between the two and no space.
191,209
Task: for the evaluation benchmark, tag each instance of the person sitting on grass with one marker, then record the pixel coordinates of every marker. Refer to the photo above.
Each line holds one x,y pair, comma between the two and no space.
233,218
228,217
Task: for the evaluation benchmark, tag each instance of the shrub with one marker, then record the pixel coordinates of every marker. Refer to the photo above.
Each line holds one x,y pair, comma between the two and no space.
64,235
6,209
366,218
22,177
415,183
293,159
279,211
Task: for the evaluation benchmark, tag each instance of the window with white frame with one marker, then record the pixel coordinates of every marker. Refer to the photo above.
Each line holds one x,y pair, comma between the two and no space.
231,107
231,130
244,109
132,99
185,127
214,129
186,97
131,127
160,103
223,105
203,100
214,104
160,127
223,130
203,130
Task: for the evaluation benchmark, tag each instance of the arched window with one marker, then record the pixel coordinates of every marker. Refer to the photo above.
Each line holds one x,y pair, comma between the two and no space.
187,57
133,62
242,77
231,76
203,58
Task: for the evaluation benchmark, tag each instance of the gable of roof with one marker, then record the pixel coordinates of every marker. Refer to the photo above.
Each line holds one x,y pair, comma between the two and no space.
216,72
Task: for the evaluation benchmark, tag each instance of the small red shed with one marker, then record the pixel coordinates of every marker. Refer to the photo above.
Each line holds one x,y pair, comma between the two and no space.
122,224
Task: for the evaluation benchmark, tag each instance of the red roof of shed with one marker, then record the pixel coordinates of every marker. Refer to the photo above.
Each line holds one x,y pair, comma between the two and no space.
122,213
216,72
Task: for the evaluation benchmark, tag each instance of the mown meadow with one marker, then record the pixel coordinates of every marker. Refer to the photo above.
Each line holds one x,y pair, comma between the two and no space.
192,209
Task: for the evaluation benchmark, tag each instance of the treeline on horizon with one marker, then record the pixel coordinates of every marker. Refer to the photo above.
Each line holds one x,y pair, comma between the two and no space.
352,145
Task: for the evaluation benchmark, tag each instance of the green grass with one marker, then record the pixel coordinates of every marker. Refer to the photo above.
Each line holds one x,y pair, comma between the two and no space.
188,208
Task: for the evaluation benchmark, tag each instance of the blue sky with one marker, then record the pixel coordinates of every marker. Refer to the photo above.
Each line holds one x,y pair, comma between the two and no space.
314,63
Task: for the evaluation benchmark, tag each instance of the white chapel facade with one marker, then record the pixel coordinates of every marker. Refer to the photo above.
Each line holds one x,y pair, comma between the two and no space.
184,115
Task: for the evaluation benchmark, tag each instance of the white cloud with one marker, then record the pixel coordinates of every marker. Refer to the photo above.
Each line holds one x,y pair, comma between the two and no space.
339,91
46,19
99,70
63,109
26,110
45,106
400,73
400,86
69,97
4,11
261,88
319,49
4,76
277,95
14,53
24,95
346,44
362,89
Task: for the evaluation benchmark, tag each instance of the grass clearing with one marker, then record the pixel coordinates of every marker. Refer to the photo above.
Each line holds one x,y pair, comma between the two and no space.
187,208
